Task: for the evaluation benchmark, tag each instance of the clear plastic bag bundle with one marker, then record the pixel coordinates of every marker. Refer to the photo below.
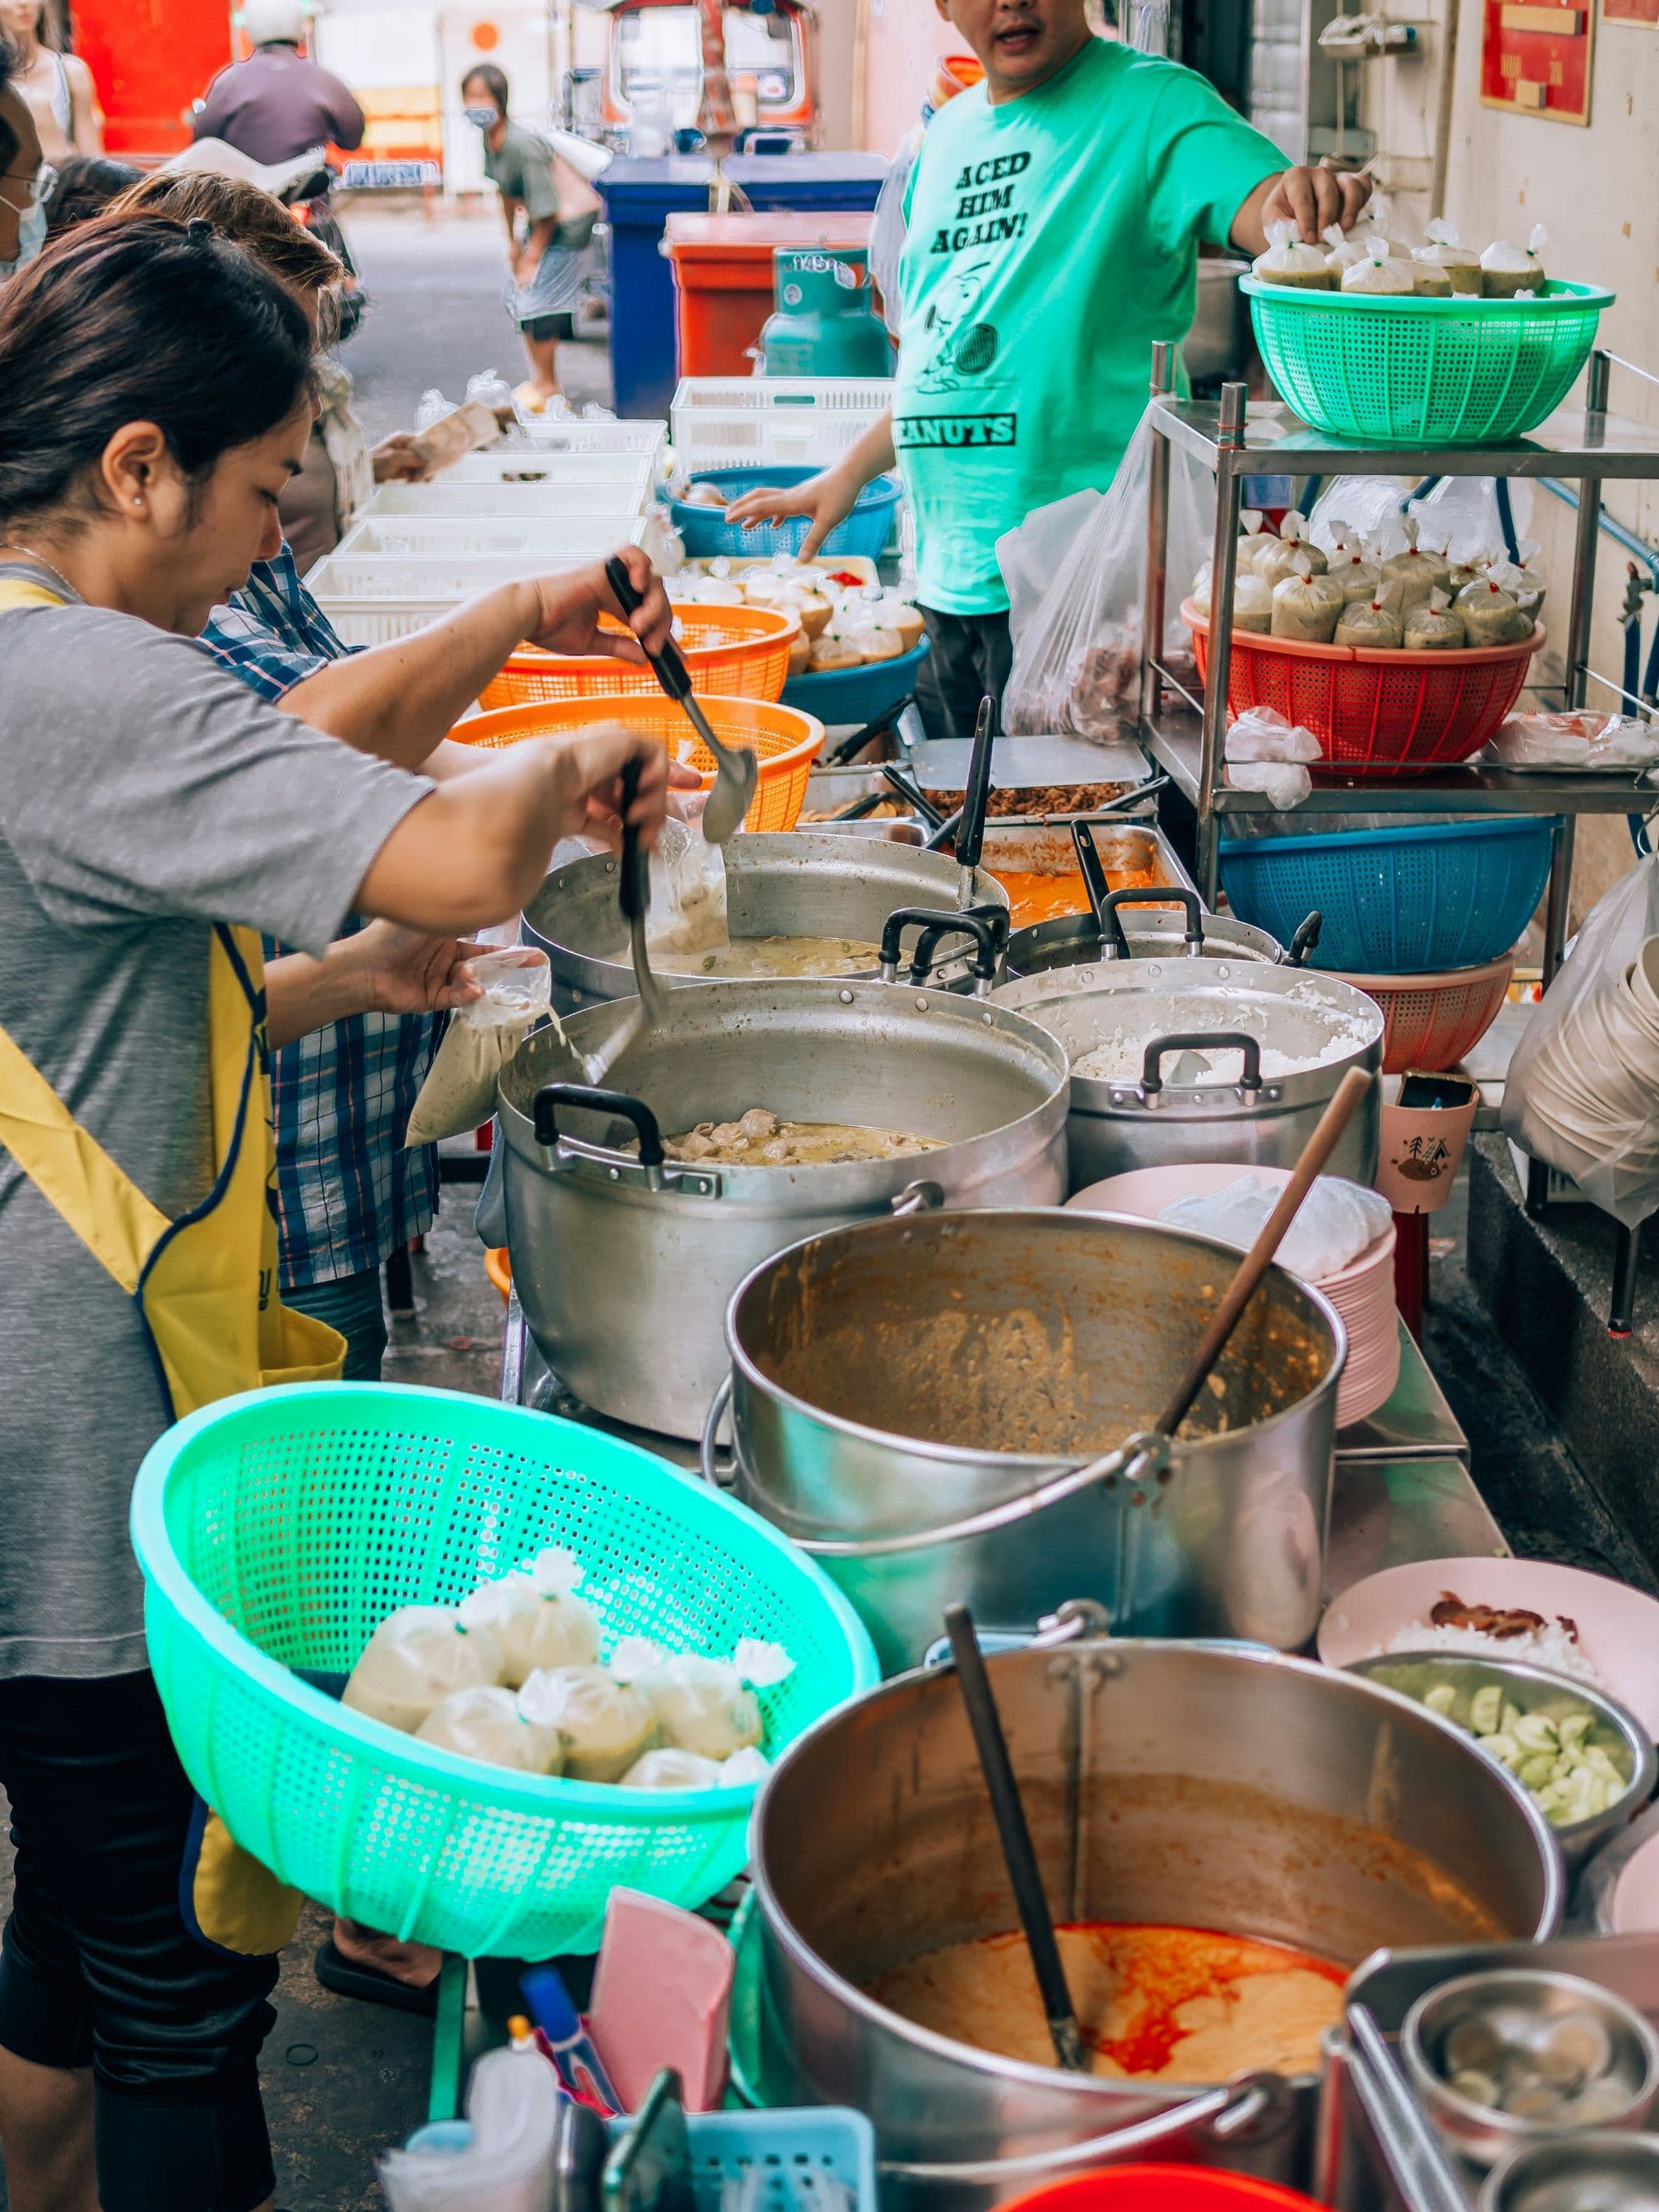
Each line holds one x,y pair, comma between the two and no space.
1372,625
1582,739
1337,1221
704,1705
687,892
459,1091
1288,260
1293,545
1583,1089
536,1617
1305,606
606,1725
1415,572
1381,271
1435,627
1461,264
1253,600
1506,269
1076,578
1491,610
417,1656
484,1722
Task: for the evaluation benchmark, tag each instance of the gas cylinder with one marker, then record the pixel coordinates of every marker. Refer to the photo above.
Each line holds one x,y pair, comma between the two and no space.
824,323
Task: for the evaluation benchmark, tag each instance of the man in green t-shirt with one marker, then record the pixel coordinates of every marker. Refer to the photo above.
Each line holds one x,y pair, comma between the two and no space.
1054,220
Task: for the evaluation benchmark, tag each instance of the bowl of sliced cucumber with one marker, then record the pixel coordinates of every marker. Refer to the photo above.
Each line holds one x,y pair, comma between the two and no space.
1587,1764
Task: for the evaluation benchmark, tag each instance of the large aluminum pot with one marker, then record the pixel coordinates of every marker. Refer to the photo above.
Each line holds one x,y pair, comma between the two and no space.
893,1379
1164,1784
1150,925
798,884
625,1269
1148,1117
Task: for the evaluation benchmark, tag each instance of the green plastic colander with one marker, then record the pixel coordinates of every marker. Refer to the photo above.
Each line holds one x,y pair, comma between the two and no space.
277,1528
1424,372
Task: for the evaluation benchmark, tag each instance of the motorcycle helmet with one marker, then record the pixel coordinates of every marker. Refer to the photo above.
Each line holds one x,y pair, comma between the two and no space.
274,22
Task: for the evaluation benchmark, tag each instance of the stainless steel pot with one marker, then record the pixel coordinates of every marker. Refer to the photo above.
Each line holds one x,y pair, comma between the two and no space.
1161,924
1157,1010
801,885
1219,343
1163,1784
625,1267
894,1380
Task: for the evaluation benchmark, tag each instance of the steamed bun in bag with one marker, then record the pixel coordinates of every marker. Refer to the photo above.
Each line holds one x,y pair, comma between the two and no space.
606,1725
536,1617
1506,269
705,1705
417,1657
486,1724
1288,261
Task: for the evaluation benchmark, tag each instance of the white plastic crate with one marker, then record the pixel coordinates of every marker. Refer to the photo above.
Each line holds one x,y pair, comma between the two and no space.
558,434
538,538
803,421
517,468
372,596
507,502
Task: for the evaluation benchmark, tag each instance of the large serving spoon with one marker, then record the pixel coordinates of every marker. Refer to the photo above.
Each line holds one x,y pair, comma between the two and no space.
1014,1834
737,770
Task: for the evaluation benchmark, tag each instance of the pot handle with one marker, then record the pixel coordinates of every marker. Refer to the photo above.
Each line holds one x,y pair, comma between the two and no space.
1251,2104
708,1451
1152,1072
1164,895
587,1098
917,1198
987,925
1305,940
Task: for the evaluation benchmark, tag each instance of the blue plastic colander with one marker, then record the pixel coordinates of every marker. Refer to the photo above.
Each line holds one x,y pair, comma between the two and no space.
1396,902
706,531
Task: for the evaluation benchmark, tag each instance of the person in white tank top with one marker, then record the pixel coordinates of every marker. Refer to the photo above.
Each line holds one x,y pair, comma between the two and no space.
56,87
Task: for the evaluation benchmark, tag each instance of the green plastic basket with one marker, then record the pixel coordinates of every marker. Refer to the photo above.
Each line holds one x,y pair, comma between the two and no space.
276,1529
1424,372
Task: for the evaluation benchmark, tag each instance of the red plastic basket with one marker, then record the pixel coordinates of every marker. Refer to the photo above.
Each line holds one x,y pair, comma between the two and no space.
1376,714
1430,1021
1161,2189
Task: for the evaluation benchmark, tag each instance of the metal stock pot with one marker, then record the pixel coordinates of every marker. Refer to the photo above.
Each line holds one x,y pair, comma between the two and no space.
893,1379
1164,1784
624,1263
1154,930
1155,1013
797,884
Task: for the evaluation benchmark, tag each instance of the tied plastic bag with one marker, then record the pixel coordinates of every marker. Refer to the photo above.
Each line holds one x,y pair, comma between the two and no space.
1580,740
688,892
459,1091
501,2160
1583,1088
536,1616
1076,578
1338,1220
705,1705
1264,734
419,1656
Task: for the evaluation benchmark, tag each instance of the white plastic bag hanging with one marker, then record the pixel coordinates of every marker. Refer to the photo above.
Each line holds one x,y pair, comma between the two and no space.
1583,1089
1076,577
688,892
459,1091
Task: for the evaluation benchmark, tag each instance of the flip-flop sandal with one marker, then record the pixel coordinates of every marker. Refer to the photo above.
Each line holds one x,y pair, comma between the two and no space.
367,1983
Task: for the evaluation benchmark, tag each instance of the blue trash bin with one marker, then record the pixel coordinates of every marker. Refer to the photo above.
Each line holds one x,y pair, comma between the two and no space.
837,183
639,197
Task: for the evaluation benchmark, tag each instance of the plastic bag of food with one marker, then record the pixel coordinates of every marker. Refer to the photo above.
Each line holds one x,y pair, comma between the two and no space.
705,1705
1528,583
452,436
1253,601
1368,507
669,1768
687,892
1337,1222
1253,540
484,1722
1305,606
1076,578
606,1725
459,1091
1583,1088
1415,572
1293,545
1580,740
419,1656
1361,580
1372,625
1461,264
1288,260
1506,269
1435,627
536,1616
1345,249
1262,734
1381,271
1491,611
1282,784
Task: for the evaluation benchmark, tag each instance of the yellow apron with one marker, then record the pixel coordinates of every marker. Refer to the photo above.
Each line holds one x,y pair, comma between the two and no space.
205,1288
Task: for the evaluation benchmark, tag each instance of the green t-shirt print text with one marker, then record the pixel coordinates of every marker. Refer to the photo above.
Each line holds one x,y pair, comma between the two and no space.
1050,241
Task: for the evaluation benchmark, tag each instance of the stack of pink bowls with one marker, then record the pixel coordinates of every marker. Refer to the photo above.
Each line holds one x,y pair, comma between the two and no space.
1362,1292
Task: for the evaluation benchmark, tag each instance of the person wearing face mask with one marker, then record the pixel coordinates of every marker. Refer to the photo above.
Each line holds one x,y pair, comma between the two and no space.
1053,223
26,180
559,210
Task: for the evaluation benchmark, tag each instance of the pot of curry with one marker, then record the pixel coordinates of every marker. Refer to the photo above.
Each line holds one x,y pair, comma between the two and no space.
893,1380
754,1114
1223,1837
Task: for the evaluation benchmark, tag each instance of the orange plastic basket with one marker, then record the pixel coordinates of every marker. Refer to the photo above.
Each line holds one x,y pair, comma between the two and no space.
786,741
739,652
1430,1021
1376,714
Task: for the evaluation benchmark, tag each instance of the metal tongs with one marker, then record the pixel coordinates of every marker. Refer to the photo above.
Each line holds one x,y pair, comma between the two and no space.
634,897
738,771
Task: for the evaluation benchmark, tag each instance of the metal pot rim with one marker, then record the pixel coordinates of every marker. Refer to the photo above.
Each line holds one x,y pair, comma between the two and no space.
782,1930
1034,1464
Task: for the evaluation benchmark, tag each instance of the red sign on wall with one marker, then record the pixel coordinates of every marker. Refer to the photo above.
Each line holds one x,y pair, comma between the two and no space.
1535,57
1645,12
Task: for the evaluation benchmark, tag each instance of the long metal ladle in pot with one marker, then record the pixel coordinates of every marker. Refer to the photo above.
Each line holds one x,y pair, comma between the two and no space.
737,769
1141,1455
635,895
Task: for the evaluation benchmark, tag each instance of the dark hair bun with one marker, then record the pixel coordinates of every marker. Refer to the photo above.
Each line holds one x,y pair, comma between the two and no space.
198,231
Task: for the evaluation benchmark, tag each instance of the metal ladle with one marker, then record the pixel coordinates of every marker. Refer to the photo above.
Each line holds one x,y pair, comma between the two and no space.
634,893
737,769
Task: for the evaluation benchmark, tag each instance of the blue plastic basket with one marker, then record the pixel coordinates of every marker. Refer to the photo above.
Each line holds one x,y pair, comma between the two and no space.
1396,902
706,531
793,2149
855,695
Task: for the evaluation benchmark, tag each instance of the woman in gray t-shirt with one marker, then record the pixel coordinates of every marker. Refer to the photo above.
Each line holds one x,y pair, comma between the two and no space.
158,398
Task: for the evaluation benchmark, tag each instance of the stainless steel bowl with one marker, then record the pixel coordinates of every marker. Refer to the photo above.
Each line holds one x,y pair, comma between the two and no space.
1478,2021
1536,1690
1600,2171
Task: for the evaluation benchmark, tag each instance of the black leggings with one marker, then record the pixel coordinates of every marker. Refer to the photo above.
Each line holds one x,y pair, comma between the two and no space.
97,1967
